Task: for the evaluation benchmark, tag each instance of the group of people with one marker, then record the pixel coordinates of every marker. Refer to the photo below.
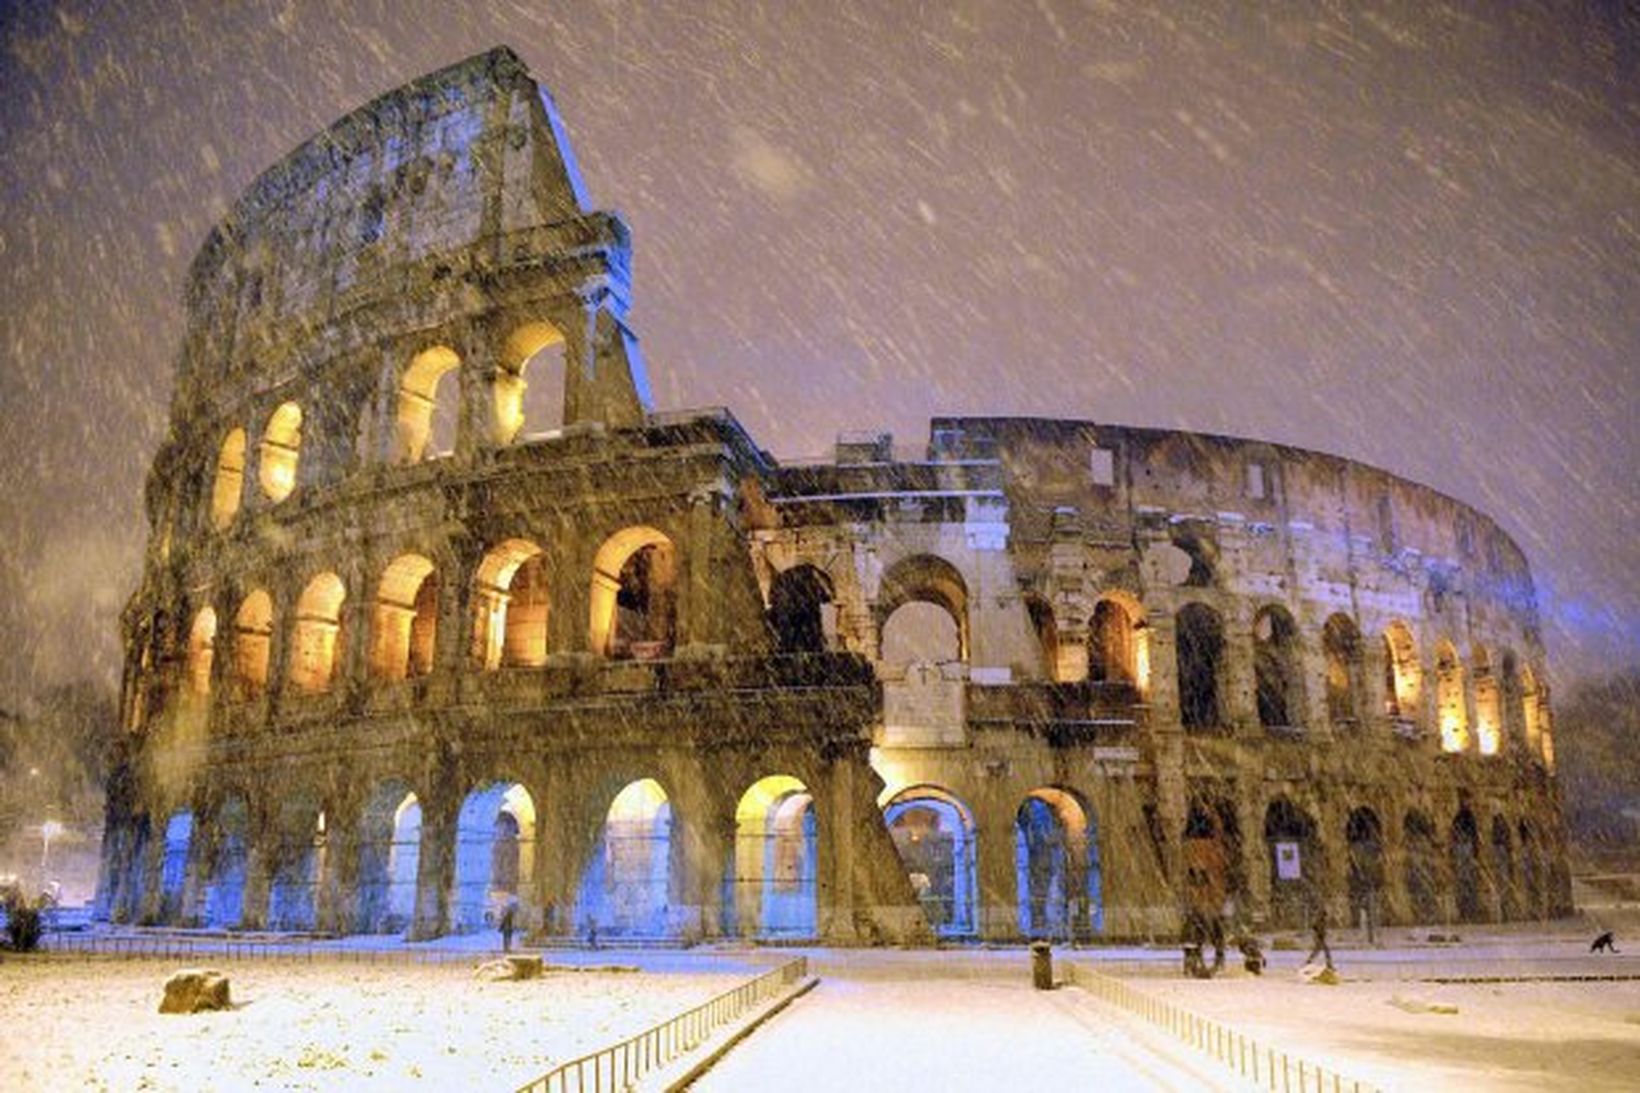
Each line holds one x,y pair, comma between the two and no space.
1205,927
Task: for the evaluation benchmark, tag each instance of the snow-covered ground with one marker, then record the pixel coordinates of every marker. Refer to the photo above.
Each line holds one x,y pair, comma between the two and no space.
1389,1021
94,1024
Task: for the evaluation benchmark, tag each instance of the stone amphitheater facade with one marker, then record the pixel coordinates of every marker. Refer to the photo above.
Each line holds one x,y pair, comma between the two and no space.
405,651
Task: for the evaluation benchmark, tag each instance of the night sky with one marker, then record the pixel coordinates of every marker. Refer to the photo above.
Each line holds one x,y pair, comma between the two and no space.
1404,233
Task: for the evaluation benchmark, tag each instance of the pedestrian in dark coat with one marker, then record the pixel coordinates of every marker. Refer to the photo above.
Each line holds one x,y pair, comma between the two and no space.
1316,907
507,923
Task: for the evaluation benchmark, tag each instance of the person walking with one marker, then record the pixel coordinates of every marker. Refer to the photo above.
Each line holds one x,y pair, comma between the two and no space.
509,915
1316,907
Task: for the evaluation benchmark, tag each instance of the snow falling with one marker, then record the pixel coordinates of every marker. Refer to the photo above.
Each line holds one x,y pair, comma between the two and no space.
1406,234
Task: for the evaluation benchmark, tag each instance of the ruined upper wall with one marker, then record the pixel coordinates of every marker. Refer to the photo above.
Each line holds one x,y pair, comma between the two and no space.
442,169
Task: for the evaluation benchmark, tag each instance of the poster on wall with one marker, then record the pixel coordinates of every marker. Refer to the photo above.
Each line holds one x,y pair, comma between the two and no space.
1287,861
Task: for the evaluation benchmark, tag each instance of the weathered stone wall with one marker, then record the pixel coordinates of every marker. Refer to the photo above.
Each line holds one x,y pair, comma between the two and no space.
340,621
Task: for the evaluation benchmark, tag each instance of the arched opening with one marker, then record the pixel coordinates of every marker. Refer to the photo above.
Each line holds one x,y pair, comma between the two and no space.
173,879
1200,648
1114,644
225,894
922,636
934,834
1421,873
628,887
1278,679
1056,867
298,864
253,637
406,619
1449,699
1531,712
1503,870
1509,701
529,384
1466,867
1212,859
1364,838
281,444
318,633
634,595
1046,629
1294,856
495,854
1203,554
229,486
512,594
1401,674
1341,643
1488,708
428,406
201,651
389,857
800,610
775,861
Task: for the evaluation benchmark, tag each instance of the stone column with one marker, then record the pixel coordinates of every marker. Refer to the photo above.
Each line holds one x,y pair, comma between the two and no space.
337,901
997,901
705,828
202,848
1238,681
435,865
700,608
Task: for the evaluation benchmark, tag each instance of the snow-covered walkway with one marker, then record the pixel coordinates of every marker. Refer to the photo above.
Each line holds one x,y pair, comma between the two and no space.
947,1021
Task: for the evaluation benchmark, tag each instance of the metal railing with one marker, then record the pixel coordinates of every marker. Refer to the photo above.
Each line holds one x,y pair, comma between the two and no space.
620,1066
290,950
1255,1061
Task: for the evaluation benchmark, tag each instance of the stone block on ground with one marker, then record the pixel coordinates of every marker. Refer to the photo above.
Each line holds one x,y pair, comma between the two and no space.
194,990
510,967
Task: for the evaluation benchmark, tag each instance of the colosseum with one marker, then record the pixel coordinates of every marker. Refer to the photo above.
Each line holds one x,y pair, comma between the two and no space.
438,615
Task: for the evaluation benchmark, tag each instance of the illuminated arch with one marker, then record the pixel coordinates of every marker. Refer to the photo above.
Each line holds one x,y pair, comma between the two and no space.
406,619
253,636
1402,676
775,859
512,594
389,859
1056,866
201,651
630,883
281,445
423,414
1531,711
495,854
318,629
1452,716
179,831
229,486
297,858
224,901
1118,645
634,600
511,409
933,832
1488,706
